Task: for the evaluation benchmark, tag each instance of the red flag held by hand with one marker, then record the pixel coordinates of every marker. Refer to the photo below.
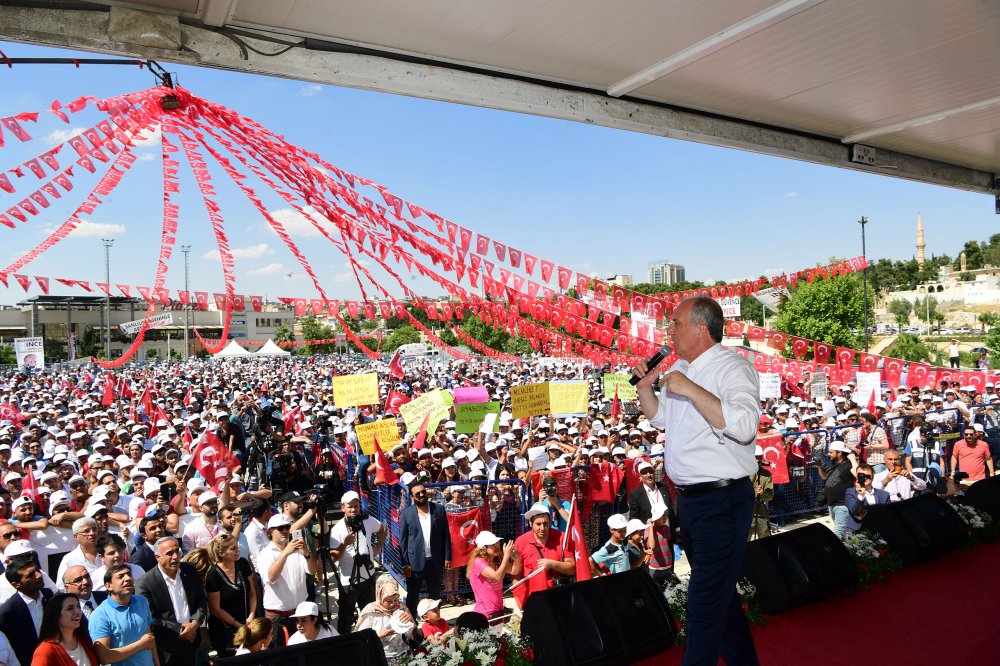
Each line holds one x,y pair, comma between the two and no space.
573,542
384,473
213,459
422,435
464,528
616,406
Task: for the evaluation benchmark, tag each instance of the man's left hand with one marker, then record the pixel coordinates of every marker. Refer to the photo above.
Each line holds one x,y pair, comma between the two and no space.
447,564
678,384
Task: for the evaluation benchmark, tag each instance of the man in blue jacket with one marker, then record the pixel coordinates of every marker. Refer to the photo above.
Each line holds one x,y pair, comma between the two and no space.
862,496
424,546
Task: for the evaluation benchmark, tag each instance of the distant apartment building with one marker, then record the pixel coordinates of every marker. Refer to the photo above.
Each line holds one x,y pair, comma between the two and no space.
662,272
621,280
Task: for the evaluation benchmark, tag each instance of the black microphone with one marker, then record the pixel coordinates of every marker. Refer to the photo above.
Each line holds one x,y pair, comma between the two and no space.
654,361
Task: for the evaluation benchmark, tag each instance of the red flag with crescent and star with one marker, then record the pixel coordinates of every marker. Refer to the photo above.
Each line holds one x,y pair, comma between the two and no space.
213,460
384,473
464,528
394,401
573,542
774,457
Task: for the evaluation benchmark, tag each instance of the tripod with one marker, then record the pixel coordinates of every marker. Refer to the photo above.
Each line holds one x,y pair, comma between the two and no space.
352,597
760,513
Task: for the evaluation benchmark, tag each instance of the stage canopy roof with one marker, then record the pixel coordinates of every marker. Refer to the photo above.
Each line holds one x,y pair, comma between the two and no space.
271,349
887,86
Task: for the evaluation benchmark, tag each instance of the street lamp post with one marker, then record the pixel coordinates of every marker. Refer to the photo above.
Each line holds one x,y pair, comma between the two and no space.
186,249
108,242
863,221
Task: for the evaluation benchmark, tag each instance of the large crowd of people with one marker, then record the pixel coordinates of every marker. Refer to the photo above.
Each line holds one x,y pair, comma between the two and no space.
115,549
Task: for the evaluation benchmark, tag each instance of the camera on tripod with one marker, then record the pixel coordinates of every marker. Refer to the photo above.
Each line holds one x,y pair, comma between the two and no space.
356,523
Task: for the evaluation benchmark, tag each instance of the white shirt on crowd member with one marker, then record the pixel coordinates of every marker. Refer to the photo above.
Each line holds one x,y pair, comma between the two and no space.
256,539
178,597
900,488
339,534
699,452
289,589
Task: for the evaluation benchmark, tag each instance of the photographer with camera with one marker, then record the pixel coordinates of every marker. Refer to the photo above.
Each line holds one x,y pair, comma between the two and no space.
356,541
922,454
863,495
898,481
267,435
558,509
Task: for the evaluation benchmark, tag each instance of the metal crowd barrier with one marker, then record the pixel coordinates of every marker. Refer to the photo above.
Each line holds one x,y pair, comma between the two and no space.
799,494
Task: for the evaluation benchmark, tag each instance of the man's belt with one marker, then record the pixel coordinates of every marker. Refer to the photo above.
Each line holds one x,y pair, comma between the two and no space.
287,613
699,488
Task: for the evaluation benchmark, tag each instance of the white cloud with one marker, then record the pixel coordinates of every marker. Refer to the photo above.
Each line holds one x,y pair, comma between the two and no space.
270,269
151,140
343,277
791,195
251,252
146,157
295,223
62,135
87,228
309,91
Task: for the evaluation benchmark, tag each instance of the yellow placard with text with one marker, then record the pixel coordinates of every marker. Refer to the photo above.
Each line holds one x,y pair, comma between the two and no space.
385,431
530,400
355,390
568,397
625,390
433,403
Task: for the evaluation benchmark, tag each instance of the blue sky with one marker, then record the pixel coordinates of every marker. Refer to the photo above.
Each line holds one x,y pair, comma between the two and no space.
591,198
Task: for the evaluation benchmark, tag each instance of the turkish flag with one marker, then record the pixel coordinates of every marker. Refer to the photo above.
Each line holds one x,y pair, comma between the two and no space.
213,460
602,482
917,375
573,541
976,380
108,398
755,333
845,358
867,362
632,478
774,457
821,352
616,406
394,401
776,340
893,370
384,473
800,346
396,366
734,329
464,528
418,443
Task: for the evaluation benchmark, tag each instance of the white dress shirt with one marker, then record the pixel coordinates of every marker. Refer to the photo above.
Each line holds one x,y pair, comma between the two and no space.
256,539
76,558
425,530
654,496
900,488
178,597
289,588
695,451
34,609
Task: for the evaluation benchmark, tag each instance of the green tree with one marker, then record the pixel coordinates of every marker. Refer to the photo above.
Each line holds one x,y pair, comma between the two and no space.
993,343
448,338
752,310
826,310
7,355
901,309
476,328
973,255
911,348
926,309
314,329
90,342
283,334
967,276
518,345
152,354
404,335
989,320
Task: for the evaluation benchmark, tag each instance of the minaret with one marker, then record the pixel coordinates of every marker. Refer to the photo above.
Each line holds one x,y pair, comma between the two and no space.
920,242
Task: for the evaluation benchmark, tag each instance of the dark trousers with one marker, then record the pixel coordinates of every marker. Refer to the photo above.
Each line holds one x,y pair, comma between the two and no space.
359,596
714,527
429,577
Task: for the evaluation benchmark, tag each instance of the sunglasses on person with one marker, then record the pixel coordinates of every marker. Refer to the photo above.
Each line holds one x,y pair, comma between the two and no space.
12,534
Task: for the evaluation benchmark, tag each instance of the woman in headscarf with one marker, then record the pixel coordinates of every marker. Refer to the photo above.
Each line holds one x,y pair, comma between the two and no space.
392,623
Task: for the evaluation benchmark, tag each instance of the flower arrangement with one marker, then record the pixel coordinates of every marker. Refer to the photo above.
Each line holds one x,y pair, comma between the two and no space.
981,527
872,557
475,648
676,594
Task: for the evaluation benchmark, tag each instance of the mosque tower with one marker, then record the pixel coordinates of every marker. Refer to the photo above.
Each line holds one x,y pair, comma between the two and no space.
920,242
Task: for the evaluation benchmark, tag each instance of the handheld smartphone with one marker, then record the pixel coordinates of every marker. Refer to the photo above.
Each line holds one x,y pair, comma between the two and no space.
168,491
296,534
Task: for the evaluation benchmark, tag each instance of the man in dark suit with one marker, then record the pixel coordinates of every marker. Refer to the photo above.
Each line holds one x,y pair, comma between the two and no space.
78,582
177,603
21,615
862,496
151,529
423,522
649,492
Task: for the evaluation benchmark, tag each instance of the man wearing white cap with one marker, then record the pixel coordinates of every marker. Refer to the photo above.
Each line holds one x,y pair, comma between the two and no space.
356,540
708,406
285,565
539,548
205,526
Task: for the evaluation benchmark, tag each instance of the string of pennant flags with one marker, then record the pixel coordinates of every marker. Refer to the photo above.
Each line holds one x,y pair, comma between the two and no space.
563,304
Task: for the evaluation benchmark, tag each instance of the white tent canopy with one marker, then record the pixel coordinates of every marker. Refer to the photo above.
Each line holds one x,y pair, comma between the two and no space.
232,350
271,349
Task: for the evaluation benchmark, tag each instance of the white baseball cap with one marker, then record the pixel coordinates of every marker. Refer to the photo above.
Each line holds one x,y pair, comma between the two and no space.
486,538
617,521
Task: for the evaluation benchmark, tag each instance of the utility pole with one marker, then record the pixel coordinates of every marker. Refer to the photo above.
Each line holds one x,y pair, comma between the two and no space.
186,249
863,221
108,242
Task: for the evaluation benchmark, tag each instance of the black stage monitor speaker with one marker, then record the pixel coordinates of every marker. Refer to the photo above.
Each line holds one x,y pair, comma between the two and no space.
609,620
798,567
985,496
362,648
918,529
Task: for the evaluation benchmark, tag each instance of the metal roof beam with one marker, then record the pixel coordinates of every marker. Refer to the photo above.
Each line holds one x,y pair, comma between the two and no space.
89,30
899,126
